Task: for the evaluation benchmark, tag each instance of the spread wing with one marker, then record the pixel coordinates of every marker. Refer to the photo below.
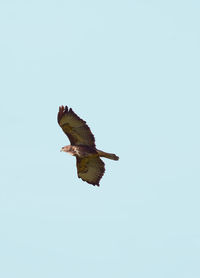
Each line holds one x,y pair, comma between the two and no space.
75,128
90,169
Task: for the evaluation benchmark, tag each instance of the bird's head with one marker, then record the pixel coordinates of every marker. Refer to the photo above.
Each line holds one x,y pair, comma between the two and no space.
66,149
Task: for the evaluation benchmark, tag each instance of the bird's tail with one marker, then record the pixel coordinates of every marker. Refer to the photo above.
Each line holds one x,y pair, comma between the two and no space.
108,155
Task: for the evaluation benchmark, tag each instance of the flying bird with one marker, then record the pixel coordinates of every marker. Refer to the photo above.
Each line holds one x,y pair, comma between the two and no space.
90,167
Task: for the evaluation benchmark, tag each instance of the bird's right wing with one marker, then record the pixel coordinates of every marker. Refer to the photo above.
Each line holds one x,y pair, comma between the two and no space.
90,169
75,128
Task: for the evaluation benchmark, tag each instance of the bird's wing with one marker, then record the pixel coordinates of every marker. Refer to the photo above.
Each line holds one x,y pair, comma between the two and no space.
90,169
75,128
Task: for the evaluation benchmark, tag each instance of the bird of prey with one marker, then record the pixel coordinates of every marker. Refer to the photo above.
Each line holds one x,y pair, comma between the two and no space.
90,167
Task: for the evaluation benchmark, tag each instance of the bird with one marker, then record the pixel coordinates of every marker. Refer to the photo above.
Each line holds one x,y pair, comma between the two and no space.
90,167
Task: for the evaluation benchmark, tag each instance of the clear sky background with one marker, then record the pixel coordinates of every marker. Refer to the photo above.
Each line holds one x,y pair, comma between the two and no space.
131,70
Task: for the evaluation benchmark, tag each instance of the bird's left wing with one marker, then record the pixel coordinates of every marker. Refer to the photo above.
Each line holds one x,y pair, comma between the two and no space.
75,128
90,169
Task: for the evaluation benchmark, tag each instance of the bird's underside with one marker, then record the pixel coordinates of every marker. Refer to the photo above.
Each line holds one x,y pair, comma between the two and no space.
90,167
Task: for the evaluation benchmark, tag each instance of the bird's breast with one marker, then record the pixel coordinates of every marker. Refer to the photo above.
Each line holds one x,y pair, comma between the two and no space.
83,151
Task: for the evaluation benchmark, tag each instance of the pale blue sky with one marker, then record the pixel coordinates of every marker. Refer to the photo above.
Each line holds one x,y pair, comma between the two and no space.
131,70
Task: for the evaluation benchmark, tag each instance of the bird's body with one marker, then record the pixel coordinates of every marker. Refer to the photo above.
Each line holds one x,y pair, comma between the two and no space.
80,151
90,167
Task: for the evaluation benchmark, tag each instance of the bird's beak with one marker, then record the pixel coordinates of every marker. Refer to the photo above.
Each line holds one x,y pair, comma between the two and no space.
61,150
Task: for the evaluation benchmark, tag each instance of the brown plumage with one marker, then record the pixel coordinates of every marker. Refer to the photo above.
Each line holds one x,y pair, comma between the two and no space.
90,167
